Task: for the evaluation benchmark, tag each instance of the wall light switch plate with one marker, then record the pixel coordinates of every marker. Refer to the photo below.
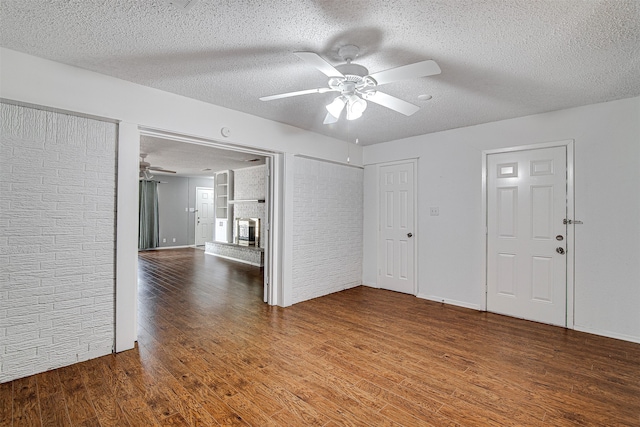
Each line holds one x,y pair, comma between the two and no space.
434,211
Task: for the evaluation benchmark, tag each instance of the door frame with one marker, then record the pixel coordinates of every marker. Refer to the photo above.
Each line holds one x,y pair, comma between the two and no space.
272,259
195,219
570,241
416,236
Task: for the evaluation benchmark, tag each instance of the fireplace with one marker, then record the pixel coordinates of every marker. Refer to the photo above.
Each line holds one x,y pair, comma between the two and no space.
247,232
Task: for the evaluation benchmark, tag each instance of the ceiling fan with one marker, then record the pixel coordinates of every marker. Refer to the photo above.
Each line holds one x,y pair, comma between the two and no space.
146,168
356,86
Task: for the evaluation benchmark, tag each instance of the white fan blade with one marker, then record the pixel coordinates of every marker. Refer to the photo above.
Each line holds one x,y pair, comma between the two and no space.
411,71
159,169
315,60
391,102
329,119
300,92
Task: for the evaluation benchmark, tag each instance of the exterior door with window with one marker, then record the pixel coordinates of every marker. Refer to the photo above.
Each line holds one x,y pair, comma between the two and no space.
526,234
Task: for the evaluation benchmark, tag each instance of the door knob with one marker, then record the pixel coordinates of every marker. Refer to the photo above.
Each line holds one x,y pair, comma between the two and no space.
409,234
560,250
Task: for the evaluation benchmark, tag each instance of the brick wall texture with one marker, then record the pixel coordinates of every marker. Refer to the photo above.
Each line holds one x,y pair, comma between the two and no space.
249,184
57,239
327,228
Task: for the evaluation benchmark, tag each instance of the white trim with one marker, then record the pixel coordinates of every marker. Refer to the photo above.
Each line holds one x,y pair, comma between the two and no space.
126,286
607,334
158,133
571,242
168,247
569,145
319,159
463,304
371,285
416,234
58,110
288,172
272,257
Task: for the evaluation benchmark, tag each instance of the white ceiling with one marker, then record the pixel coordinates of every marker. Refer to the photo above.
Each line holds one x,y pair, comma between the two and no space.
499,58
188,159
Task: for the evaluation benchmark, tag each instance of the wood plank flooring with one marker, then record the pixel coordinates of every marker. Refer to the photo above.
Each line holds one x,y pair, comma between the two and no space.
211,353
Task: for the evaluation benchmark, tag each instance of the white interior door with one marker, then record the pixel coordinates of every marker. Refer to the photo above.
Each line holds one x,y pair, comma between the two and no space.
526,236
205,215
396,247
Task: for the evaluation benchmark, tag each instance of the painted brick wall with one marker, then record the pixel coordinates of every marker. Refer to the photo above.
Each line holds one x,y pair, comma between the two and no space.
327,228
249,184
57,239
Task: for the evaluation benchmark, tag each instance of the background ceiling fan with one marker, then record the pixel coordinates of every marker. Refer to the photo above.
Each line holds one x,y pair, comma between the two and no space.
356,86
146,168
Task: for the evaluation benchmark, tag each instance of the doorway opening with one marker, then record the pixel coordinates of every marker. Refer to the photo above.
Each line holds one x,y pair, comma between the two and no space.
197,197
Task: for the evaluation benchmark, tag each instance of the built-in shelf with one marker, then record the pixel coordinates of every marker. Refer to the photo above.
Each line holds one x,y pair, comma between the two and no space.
224,211
246,201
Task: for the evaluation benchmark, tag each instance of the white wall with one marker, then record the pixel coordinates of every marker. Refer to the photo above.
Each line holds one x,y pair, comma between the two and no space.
175,194
57,250
31,80
607,199
327,228
173,198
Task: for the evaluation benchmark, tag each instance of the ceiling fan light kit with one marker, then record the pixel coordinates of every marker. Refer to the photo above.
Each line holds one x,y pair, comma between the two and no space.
355,107
336,107
356,86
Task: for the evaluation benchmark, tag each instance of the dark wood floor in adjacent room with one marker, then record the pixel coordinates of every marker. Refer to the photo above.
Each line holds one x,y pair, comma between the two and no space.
210,352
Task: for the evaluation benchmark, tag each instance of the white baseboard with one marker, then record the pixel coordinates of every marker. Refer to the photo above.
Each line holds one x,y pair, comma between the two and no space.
371,285
166,247
451,302
607,334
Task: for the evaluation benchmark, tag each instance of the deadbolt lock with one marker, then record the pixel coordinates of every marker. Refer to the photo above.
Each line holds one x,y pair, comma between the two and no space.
409,234
559,238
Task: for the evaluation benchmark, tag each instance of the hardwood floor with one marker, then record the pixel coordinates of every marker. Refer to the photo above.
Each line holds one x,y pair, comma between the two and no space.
211,353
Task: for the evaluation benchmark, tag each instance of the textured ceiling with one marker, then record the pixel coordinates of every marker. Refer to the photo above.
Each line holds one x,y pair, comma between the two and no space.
188,159
499,59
